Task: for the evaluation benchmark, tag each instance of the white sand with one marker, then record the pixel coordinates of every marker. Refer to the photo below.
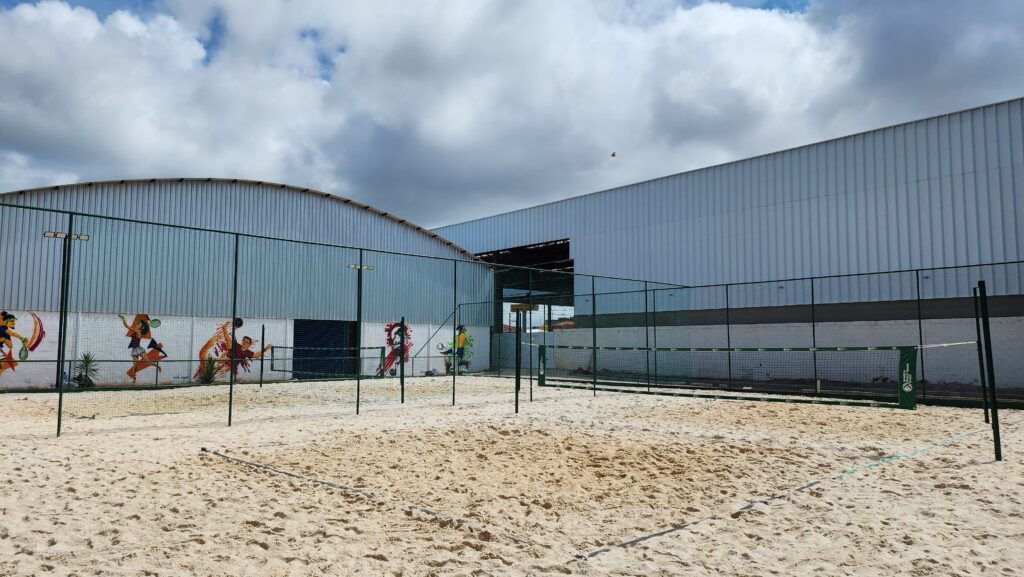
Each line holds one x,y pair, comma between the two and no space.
126,490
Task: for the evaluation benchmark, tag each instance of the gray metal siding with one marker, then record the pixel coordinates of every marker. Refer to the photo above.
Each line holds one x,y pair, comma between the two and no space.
129,267
943,191
244,207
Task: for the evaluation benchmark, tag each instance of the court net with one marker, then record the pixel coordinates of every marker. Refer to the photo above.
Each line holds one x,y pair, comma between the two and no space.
884,373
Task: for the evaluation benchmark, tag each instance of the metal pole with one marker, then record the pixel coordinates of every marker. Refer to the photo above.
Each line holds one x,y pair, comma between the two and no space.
359,332
593,325
65,281
981,356
401,359
814,341
234,316
990,370
920,331
654,305
519,356
728,336
529,327
455,324
263,344
647,338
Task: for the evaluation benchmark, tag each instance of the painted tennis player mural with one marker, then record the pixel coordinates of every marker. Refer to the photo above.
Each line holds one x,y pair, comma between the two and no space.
458,352
142,345
229,355
393,335
8,333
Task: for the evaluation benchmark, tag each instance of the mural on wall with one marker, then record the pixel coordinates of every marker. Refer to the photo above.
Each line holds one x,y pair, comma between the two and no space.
142,345
9,332
393,337
225,354
458,352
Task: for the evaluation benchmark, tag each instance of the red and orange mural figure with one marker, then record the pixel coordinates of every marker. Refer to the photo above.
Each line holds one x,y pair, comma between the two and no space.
393,333
228,354
8,324
140,332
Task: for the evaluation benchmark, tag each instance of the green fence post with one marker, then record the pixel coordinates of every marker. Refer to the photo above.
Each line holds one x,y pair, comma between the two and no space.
990,369
401,359
593,330
981,355
542,358
359,331
234,316
263,343
908,378
65,281
519,356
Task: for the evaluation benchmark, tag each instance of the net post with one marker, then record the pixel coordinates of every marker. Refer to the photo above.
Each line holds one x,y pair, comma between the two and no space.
234,315
65,281
728,335
981,354
542,358
401,359
990,370
908,378
814,342
263,343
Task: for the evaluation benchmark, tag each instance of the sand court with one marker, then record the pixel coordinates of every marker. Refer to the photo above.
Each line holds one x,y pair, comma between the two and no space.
613,485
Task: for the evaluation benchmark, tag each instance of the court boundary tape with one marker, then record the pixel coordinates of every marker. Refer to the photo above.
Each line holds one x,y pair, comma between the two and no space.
783,494
370,496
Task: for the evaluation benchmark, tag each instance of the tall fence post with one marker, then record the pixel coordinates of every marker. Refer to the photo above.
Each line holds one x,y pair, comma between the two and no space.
234,327
920,331
728,335
529,326
263,344
654,317
593,329
65,282
647,338
814,340
519,355
981,355
401,359
455,324
359,332
990,370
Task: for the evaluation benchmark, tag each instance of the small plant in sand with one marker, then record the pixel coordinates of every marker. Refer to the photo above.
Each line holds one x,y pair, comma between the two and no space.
207,371
87,370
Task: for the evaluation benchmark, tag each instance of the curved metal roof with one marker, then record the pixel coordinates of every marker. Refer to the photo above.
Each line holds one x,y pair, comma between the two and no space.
258,183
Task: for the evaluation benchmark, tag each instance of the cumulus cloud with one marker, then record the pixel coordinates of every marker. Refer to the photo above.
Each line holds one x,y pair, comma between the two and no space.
444,111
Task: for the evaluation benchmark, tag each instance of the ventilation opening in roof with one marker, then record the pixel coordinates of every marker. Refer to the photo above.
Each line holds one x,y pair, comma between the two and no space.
552,255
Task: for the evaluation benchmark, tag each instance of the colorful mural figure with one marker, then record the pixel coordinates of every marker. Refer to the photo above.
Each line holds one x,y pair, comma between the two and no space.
393,335
229,355
457,353
8,324
144,349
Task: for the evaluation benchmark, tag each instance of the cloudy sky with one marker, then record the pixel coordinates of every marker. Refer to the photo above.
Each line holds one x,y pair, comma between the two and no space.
442,111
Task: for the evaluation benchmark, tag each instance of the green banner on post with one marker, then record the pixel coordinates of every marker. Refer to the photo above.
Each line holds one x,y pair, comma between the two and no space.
908,377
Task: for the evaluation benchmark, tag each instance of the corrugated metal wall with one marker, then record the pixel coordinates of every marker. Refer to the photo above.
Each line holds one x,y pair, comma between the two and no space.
943,191
129,267
262,209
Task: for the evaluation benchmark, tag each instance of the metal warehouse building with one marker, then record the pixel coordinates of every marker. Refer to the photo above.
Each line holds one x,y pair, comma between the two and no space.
800,248
938,192
165,249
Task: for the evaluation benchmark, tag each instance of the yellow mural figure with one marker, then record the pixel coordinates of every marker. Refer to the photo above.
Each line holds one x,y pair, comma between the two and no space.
8,324
141,329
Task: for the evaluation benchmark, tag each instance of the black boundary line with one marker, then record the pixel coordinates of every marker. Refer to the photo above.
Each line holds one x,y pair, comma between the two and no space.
778,496
370,497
